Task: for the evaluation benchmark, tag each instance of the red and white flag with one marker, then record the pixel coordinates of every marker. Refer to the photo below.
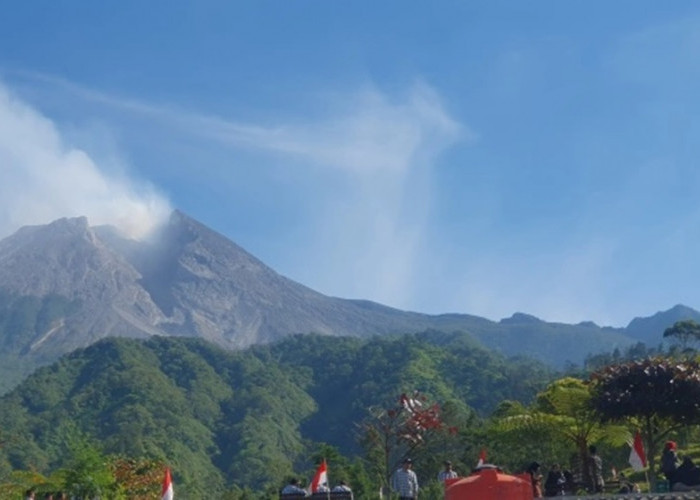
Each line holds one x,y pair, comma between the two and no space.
320,478
638,459
167,493
482,458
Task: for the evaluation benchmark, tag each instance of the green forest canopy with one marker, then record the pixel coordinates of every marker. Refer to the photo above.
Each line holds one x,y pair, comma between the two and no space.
247,418
245,421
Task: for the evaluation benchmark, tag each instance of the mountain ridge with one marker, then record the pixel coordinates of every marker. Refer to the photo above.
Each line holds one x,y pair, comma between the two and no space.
78,283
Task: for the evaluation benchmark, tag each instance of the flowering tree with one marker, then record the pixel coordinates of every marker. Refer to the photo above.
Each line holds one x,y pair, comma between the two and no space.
392,434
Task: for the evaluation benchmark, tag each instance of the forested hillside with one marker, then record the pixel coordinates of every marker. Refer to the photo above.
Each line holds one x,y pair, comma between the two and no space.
247,418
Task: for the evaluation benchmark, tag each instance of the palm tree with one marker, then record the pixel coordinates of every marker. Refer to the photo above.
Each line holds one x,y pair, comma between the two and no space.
564,411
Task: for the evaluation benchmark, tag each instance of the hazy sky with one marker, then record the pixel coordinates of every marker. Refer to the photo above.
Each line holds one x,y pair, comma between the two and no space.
474,157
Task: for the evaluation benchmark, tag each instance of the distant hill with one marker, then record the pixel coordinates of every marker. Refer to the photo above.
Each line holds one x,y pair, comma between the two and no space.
650,330
67,284
249,417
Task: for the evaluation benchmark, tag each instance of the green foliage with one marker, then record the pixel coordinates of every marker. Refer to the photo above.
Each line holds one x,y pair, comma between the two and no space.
686,332
88,474
639,350
231,423
560,425
12,371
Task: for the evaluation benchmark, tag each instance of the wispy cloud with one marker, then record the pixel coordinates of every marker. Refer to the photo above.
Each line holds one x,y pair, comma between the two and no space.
371,235
365,132
370,135
378,150
43,178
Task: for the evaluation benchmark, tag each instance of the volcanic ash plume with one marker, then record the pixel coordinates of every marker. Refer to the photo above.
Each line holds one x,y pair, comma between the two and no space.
42,179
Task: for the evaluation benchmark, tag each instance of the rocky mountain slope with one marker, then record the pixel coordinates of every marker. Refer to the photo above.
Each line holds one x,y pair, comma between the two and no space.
67,284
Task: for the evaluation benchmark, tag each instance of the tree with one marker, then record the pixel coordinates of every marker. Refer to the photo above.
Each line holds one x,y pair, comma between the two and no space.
685,331
657,395
88,474
562,412
392,434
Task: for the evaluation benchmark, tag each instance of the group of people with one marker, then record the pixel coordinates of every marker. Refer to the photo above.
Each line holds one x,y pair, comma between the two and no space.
294,488
683,474
560,482
405,482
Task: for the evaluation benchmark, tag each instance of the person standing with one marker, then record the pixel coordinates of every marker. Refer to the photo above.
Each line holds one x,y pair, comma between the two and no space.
595,468
669,463
447,473
405,482
555,483
533,470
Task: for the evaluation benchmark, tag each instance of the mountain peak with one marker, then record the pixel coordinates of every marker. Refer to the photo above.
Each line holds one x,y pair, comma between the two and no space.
681,309
650,329
519,317
179,218
80,222
62,228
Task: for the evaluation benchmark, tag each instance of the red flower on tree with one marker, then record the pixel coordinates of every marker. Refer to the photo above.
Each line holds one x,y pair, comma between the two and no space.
397,432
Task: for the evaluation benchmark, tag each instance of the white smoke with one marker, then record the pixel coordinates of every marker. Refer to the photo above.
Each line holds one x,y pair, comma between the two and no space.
42,179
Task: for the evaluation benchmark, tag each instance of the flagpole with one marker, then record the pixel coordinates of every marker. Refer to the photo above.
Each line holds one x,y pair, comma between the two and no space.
646,476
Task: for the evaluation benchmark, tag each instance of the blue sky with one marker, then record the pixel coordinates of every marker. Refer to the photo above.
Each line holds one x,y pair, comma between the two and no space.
474,157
